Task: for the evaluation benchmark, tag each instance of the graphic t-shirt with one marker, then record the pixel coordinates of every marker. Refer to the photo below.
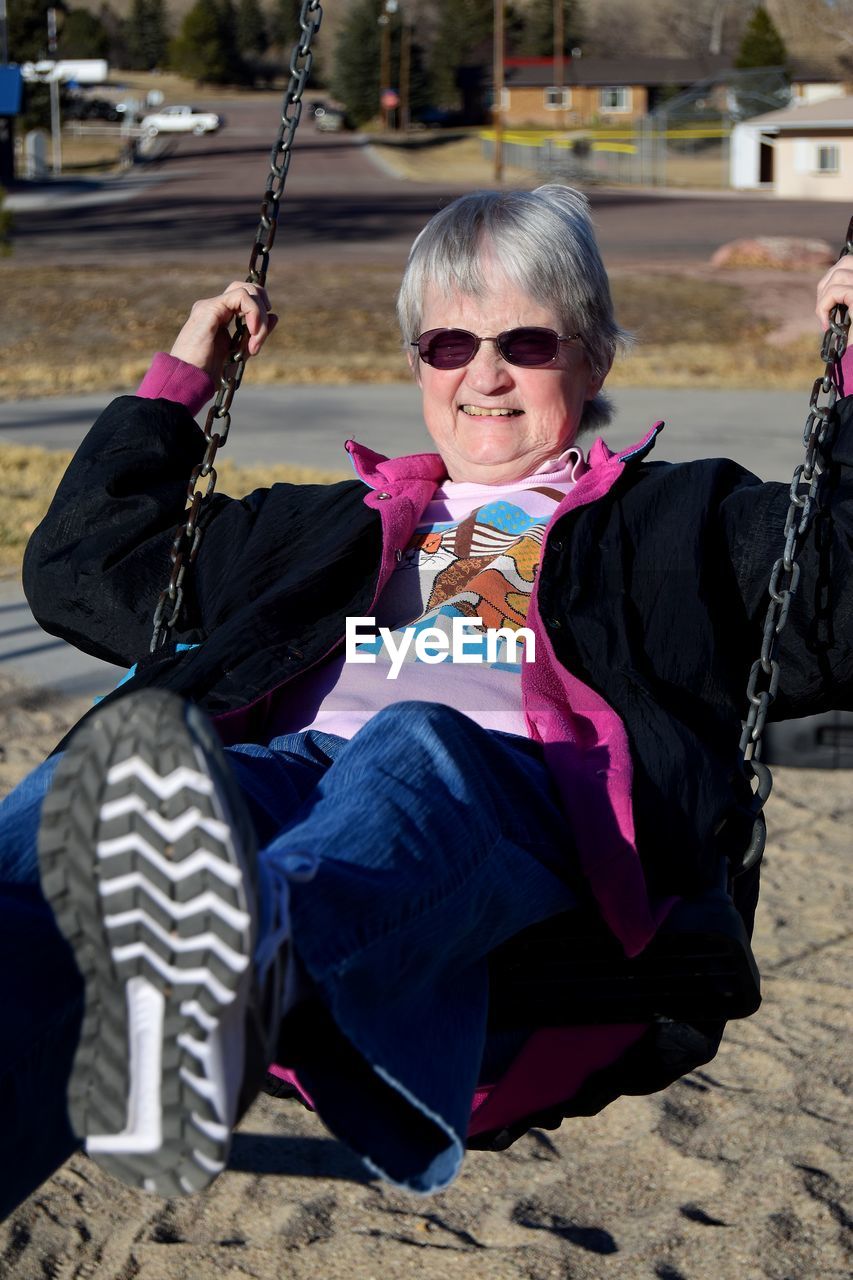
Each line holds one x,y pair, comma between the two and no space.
474,555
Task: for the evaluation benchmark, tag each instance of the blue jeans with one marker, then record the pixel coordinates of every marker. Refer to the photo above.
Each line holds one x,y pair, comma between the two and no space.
412,850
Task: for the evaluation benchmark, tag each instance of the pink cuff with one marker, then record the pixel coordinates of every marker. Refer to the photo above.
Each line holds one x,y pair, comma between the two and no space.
169,378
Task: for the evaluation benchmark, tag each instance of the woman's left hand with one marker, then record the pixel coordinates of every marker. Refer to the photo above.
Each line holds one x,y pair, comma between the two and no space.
835,287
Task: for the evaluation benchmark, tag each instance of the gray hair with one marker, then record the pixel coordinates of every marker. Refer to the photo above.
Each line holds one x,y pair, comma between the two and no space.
544,243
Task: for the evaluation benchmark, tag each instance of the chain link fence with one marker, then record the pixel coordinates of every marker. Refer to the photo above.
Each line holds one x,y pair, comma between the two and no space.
684,141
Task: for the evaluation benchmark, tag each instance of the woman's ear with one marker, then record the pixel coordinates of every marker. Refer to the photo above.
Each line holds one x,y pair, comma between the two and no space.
597,377
414,365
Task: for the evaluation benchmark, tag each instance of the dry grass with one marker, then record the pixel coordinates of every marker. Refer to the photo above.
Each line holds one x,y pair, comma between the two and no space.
447,158
443,157
78,333
29,477
86,152
75,333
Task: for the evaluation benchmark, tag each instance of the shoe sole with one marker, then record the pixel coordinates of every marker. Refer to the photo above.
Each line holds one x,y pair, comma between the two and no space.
148,884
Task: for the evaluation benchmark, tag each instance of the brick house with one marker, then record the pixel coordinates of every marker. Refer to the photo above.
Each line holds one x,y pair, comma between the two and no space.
596,91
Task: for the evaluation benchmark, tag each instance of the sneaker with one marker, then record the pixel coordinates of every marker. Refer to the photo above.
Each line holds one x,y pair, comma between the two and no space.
147,858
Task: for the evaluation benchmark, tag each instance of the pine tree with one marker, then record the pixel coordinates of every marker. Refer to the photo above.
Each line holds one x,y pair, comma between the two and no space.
355,74
198,51
536,36
146,35
116,30
463,47
762,45
284,23
252,38
27,29
206,46
82,35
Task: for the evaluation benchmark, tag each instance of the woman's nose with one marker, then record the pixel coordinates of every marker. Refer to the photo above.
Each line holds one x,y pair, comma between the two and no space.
488,371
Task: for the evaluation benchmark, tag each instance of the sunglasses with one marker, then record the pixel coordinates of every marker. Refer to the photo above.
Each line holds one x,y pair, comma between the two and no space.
527,347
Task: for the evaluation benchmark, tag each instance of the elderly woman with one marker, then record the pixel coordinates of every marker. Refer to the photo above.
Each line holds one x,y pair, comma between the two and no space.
450,698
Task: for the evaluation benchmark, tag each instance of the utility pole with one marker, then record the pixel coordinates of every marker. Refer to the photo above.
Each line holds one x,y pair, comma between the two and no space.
498,89
55,124
405,73
389,7
4,47
559,68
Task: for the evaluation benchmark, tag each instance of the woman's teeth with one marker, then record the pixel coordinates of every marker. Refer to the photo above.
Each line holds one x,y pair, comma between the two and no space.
474,411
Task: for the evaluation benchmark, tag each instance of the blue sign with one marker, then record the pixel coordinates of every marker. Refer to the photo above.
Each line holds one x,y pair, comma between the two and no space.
10,91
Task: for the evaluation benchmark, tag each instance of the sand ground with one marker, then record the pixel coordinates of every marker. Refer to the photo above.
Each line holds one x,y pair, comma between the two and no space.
737,1171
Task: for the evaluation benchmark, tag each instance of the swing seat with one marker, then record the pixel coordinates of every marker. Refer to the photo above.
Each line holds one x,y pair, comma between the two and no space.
600,1024
570,970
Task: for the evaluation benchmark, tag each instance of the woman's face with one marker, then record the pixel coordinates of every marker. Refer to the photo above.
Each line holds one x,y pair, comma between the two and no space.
494,422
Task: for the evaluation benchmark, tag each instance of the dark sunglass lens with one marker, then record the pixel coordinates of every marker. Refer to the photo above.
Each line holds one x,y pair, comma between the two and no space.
447,348
529,346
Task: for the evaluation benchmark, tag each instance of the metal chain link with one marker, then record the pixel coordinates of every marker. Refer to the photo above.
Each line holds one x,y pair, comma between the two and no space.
187,540
765,672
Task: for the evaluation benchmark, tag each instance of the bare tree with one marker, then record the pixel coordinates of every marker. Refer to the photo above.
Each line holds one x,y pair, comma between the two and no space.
668,27
817,32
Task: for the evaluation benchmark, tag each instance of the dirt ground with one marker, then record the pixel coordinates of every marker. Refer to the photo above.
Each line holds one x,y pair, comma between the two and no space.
737,1172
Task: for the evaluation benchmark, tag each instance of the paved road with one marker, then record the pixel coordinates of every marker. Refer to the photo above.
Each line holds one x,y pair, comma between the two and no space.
201,198
307,425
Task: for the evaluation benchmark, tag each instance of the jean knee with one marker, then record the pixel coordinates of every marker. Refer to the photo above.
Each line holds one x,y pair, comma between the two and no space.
420,718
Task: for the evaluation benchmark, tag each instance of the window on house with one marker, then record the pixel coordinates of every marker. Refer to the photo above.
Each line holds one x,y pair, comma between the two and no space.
615,97
827,159
556,99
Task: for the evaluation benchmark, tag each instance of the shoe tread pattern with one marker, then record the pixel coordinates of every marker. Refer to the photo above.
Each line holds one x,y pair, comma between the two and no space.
187,927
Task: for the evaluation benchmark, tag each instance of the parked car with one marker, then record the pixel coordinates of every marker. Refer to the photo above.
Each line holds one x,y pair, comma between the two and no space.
329,119
180,119
436,118
79,108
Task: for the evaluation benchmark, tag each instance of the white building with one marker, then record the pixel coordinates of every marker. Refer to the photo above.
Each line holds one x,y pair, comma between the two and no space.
802,152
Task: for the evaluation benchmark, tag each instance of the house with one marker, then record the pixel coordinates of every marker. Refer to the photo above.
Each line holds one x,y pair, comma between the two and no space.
596,91
812,82
10,106
802,152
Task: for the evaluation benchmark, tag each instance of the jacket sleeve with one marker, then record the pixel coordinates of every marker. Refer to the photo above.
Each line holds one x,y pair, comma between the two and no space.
816,644
95,566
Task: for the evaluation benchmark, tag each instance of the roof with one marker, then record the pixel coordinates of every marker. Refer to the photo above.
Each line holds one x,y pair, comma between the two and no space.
831,113
614,71
10,91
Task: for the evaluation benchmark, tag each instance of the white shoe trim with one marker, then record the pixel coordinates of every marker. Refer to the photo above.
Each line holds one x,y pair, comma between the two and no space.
143,1131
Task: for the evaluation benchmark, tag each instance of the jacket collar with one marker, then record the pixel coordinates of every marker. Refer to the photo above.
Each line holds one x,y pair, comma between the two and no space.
600,455
377,471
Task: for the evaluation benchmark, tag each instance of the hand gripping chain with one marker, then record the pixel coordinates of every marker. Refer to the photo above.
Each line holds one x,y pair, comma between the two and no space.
187,540
784,577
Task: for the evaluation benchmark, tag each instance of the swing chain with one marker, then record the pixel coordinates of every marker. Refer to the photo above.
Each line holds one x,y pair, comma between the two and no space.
187,540
765,672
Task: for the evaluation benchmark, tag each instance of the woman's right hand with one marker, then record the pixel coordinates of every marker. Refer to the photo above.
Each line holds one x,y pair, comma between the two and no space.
205,341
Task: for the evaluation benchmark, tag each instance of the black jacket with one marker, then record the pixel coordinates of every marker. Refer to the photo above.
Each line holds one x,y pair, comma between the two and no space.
655,595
